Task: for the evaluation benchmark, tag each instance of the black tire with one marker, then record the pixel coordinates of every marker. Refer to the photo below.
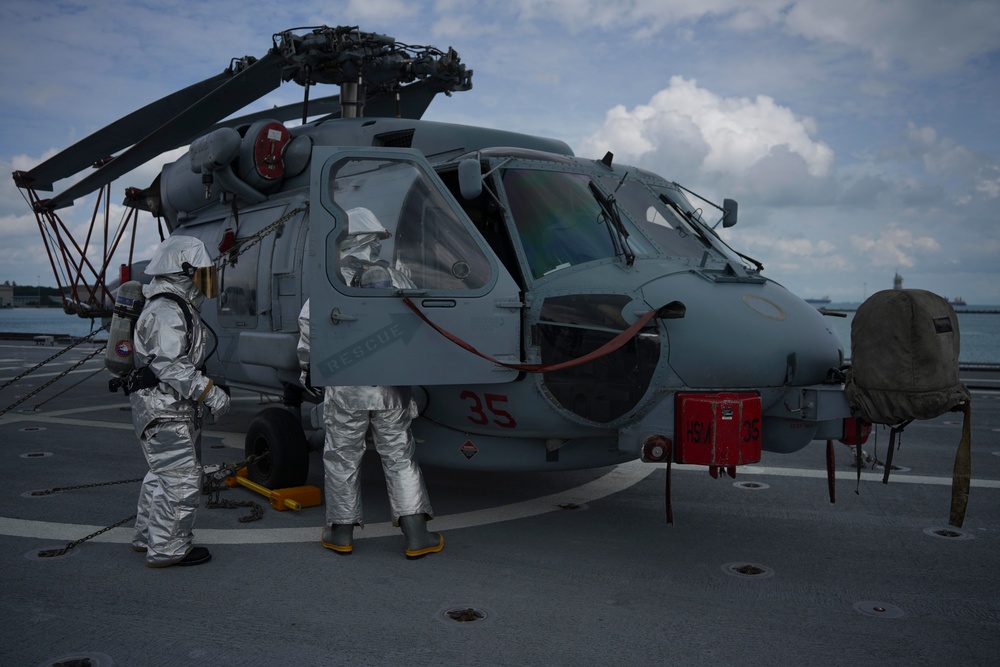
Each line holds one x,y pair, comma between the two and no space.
277,432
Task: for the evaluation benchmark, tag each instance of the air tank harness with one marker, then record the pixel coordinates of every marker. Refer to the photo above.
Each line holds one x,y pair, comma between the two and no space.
137,378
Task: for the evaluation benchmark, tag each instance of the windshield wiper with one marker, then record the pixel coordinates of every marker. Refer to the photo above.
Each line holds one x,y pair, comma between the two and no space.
701,228
619,238
691,222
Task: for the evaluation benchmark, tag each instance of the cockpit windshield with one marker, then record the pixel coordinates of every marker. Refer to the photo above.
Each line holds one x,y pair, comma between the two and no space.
659,211
675,235
560,221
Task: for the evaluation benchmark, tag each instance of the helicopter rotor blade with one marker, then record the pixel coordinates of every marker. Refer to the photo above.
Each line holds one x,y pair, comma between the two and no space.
322,106
122,133
238,91
413,101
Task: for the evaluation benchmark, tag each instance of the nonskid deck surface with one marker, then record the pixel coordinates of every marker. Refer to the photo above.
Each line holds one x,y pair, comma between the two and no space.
538,568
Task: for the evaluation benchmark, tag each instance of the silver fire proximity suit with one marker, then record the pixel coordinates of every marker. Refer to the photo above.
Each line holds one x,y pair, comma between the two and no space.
167,416
347,414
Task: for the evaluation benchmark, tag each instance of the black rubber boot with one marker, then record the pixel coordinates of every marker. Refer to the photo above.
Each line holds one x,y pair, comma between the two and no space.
339,538
419,542
196,556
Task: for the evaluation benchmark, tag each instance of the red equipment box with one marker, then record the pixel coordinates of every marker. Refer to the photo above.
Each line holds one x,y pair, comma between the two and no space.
718,429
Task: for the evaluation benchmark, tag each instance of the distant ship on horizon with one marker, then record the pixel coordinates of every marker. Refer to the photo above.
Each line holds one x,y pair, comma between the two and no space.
822,299
897,283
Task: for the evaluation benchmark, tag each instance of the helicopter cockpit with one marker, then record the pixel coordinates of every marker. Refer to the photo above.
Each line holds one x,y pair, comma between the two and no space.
561,211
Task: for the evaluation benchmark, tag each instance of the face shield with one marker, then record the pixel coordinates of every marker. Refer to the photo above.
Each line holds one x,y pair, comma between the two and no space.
205,279
363,241
366,246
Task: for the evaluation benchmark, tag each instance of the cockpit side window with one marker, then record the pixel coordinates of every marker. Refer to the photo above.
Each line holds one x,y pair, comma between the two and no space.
397,221
487,216
238,276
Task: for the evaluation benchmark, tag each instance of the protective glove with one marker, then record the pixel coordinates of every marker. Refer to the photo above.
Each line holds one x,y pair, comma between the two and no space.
217,401
315,392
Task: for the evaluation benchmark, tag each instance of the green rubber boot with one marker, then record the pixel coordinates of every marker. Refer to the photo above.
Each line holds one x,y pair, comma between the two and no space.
419,542
339,538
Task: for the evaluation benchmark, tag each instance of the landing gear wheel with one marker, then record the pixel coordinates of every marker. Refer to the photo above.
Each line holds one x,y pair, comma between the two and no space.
277,432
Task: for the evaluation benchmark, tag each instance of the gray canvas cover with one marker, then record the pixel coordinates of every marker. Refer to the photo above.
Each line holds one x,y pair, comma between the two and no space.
904,349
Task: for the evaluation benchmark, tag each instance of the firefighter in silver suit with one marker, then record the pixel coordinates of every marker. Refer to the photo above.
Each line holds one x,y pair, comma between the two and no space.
169,402
349,411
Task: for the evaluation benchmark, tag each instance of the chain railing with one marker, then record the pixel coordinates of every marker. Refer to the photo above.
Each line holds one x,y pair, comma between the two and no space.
213,484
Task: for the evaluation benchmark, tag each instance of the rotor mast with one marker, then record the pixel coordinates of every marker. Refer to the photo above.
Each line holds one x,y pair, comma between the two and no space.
366,63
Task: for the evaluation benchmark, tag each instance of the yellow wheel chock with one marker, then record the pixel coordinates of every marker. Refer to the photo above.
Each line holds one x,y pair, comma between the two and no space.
295,497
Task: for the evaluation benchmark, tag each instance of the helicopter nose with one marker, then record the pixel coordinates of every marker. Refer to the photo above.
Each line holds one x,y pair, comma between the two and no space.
744,334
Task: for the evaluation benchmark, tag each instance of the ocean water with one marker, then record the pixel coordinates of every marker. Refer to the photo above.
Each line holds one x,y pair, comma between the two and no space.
52,321
980,331
980,342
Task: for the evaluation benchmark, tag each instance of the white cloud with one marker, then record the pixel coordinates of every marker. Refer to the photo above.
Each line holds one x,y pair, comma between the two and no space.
379,10
894,247
936,171
791,254
939,156
723,135
927,35
648,17
989,181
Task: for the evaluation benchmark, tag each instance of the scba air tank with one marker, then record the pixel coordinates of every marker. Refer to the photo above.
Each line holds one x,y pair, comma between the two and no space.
120,353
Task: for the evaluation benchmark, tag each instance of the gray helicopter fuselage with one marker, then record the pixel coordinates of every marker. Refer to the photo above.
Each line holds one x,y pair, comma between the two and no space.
583,249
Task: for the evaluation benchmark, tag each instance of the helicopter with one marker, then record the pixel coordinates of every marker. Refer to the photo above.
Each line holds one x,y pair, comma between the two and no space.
566,313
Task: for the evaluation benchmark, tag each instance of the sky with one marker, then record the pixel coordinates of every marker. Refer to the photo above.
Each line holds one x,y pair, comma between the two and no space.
860,138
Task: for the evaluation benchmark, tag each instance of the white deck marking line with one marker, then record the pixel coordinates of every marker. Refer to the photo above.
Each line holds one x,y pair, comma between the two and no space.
897,478
89,367
618,479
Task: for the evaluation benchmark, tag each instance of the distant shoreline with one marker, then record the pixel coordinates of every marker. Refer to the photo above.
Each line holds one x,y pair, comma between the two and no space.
961,310
57,337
